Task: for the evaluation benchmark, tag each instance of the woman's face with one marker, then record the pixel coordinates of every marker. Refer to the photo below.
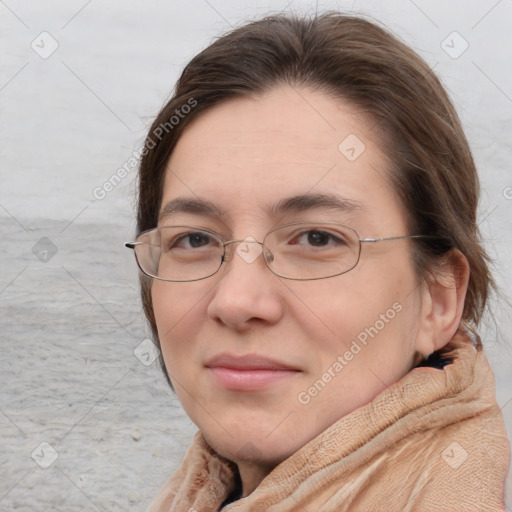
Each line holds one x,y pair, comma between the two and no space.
343,339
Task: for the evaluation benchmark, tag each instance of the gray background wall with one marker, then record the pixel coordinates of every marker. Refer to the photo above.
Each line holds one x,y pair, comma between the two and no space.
86,419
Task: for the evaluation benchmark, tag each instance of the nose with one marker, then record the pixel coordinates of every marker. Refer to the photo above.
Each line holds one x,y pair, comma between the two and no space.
247,291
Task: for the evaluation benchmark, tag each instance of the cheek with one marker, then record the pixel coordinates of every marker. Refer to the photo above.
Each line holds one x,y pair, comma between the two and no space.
353,300
374,305
176,311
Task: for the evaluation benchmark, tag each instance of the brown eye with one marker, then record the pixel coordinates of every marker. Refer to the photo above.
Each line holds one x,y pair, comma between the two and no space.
195,240
190,240
318,238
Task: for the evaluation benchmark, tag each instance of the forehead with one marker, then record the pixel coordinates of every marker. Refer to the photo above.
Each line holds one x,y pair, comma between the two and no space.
292,123
249,151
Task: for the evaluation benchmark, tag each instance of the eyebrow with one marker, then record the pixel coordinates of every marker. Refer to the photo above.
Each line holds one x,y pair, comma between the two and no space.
190,205
310,201
297,203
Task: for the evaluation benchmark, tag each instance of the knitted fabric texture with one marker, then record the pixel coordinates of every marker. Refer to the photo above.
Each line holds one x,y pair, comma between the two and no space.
435,440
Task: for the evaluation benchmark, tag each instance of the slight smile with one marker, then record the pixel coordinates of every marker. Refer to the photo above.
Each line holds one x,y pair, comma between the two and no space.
248,372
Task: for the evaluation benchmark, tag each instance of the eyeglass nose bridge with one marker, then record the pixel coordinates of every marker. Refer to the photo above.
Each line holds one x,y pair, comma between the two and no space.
267,255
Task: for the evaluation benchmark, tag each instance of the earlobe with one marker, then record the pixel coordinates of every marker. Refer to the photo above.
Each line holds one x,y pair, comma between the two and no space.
442,299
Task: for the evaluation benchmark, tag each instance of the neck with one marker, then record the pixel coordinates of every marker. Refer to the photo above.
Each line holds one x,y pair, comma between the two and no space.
251,475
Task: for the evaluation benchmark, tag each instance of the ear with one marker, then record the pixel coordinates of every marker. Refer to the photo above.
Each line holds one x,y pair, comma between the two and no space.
442,303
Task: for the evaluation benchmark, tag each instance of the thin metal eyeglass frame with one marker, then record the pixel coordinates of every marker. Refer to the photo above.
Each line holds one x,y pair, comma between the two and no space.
132,245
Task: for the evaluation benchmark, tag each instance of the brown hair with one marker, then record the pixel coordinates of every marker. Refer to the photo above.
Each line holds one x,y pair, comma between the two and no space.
356,60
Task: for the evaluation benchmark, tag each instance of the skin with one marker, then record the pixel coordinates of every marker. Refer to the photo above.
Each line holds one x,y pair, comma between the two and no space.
245,155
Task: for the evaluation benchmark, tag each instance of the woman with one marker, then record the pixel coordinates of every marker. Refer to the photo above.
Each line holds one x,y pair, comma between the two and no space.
312,272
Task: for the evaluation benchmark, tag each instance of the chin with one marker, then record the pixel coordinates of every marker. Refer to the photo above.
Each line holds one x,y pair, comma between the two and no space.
265,445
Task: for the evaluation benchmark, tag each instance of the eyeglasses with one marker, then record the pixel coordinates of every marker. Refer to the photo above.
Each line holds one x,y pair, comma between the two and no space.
300,251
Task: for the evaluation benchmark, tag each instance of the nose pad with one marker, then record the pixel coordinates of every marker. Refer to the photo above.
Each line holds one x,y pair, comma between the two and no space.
269,257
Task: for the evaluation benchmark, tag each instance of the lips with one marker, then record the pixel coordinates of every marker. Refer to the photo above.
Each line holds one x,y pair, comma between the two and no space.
248,372
247,362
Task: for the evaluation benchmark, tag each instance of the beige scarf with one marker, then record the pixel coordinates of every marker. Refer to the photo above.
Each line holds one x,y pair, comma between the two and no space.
435,440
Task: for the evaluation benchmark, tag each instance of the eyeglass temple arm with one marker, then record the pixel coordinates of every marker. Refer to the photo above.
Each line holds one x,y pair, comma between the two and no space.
396,238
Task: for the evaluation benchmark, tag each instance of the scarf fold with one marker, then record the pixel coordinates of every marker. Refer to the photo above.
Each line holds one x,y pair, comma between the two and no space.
435,440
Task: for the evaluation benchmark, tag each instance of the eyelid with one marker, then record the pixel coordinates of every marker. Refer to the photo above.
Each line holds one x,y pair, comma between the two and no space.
200,226
206,230
328,231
